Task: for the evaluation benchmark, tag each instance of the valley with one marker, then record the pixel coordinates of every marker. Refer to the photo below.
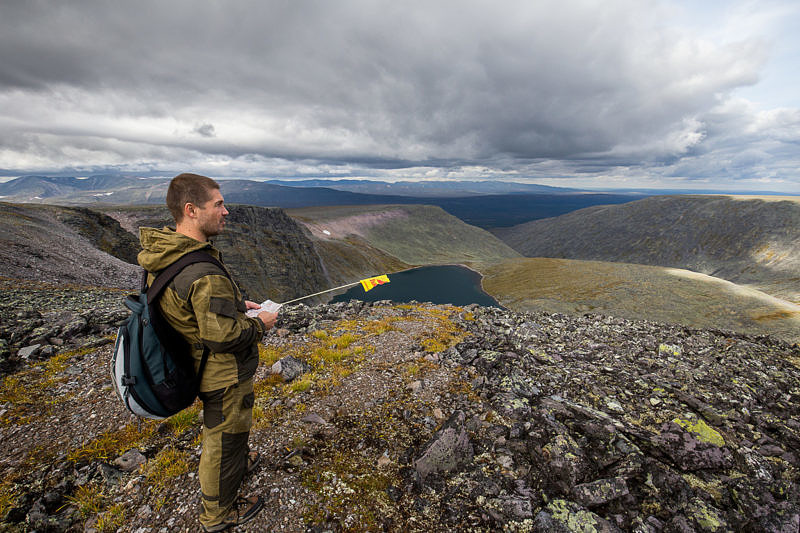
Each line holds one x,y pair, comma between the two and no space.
603,259
610,395
632,291
749,241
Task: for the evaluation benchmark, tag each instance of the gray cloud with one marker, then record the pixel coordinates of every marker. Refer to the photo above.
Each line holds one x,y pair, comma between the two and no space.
367,87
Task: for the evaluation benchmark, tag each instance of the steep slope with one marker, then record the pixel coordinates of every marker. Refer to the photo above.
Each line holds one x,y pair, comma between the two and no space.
632,291
414,234
65,245
750,241
269,254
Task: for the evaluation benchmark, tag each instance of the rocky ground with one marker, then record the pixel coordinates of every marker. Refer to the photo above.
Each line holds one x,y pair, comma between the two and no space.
413,417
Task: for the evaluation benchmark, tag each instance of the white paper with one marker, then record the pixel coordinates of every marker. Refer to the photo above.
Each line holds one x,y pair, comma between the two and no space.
267,305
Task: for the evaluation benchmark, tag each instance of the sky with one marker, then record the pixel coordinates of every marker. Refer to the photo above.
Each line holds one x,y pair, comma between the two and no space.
611,94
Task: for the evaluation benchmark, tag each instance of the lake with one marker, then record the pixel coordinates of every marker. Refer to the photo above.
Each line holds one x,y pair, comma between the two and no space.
448,284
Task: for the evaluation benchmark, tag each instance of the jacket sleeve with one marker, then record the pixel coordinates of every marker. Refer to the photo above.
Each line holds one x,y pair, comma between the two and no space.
224,327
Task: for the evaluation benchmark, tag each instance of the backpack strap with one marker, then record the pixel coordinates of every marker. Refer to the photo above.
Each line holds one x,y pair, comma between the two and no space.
165,276
168,274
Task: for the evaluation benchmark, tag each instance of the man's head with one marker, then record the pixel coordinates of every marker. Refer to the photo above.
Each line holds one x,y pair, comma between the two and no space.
197,206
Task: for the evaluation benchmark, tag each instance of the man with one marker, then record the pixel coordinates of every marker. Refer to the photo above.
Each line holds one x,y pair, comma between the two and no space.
207,308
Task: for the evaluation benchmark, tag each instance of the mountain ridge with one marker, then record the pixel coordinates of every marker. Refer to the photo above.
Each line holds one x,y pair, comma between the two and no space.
752,242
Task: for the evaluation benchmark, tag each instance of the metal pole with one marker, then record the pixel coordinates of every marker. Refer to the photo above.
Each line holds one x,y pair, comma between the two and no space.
321,292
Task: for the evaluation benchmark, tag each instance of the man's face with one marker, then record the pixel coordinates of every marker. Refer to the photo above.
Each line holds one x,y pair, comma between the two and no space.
211,215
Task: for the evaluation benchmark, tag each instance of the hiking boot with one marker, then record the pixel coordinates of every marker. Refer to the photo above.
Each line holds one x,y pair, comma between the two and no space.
253,459
244,510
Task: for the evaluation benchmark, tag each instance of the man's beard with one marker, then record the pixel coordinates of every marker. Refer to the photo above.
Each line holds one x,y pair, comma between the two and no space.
212,228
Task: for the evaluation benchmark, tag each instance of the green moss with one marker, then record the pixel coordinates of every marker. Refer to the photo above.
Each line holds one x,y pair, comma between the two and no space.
669,349
350,487
706,517
579,520
701,430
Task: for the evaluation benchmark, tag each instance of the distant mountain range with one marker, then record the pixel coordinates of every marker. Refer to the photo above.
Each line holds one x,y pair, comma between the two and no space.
483,204
428,189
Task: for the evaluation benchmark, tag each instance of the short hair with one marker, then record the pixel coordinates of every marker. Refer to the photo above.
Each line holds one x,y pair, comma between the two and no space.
188,188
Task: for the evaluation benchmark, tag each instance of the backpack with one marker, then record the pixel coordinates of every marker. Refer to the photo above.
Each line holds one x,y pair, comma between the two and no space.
152,367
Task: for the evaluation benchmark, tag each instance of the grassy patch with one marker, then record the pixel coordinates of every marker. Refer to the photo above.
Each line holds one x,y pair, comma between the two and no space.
168,464
29,392
108,445
417,368
444,333
89,499
461,387
184,420
112,519
269,355
8,495
302,384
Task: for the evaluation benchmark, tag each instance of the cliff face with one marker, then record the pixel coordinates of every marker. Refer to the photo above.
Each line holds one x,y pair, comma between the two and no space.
746,241
66,245
269,254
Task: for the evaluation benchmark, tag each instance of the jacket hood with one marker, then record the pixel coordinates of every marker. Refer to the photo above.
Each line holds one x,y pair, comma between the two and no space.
162,247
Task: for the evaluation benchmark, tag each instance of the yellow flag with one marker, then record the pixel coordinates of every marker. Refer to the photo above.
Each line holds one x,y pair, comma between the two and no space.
374,282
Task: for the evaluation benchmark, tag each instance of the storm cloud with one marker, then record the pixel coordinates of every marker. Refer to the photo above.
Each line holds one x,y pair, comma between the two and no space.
386,89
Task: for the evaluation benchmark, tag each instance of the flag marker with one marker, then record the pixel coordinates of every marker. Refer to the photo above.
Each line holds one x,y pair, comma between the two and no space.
369,283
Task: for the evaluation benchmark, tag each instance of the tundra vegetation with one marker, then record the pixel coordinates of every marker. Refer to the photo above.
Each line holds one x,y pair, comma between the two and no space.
415,417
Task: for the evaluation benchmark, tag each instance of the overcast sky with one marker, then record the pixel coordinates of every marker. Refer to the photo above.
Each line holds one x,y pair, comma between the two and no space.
612,93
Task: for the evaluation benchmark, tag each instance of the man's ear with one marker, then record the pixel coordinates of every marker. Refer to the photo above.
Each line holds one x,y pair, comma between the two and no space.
189,210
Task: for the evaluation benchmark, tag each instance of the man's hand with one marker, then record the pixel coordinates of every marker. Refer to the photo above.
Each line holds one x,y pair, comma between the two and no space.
251,305
268,319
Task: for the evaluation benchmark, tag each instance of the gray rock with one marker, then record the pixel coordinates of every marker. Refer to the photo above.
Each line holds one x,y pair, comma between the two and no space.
517,508
688,452
289,368
29,352
600,492
111,476
448,448
314,418
130,460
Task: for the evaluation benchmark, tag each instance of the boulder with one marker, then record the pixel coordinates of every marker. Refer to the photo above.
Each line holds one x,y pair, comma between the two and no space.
446,450
289,368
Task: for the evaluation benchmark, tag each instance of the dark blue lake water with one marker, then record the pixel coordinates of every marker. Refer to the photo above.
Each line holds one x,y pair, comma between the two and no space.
449,284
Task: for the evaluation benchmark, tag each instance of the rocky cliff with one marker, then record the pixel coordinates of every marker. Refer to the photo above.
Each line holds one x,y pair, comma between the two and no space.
747,241
66,245
415,417
273,256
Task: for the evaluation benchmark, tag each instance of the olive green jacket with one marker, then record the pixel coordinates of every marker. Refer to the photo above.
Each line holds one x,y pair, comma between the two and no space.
204,306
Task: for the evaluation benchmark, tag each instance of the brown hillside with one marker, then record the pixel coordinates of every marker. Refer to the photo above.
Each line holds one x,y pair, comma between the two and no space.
747,241
639,292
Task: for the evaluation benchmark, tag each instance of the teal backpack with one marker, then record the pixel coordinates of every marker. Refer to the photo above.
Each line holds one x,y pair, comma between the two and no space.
152,367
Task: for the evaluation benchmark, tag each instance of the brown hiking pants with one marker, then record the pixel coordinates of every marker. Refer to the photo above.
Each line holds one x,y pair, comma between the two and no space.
227,418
